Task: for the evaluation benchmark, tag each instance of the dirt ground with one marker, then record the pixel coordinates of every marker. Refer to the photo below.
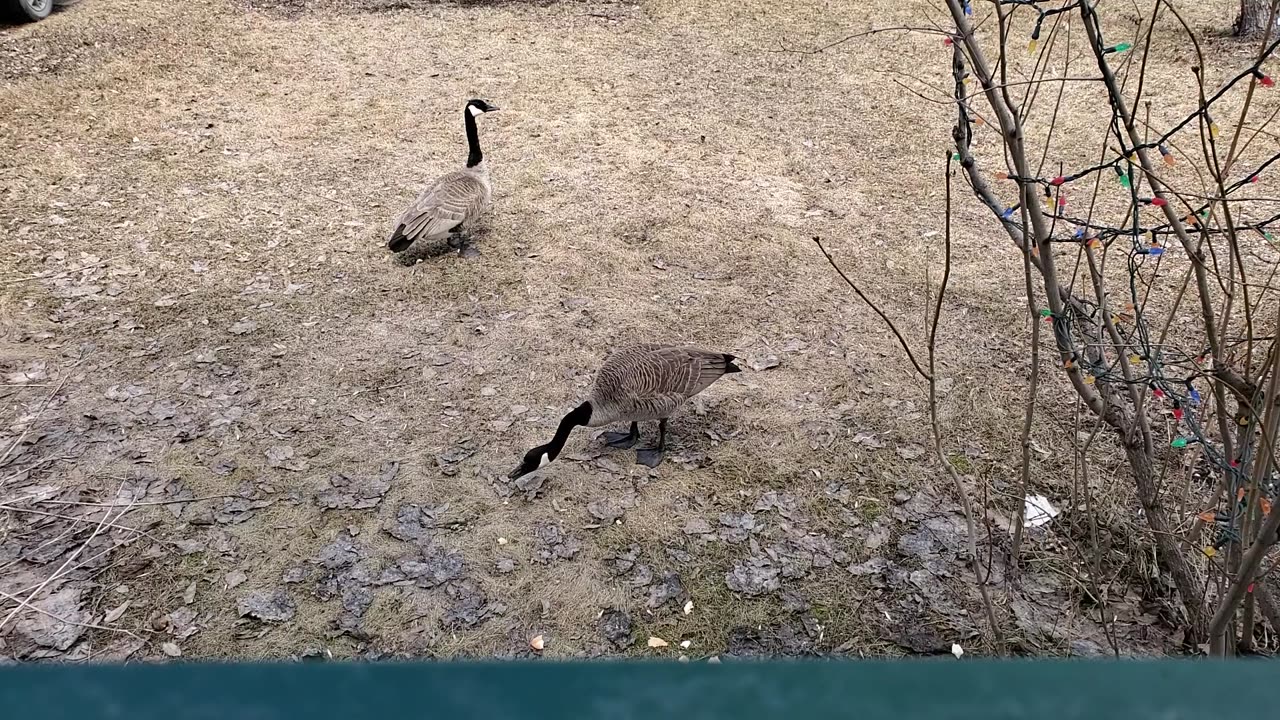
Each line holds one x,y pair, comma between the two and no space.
238,427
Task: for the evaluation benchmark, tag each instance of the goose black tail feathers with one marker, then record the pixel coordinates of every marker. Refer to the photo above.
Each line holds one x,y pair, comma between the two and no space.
399,242
729,367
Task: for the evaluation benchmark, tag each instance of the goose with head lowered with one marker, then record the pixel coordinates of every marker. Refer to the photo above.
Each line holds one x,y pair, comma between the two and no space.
635,384
451,204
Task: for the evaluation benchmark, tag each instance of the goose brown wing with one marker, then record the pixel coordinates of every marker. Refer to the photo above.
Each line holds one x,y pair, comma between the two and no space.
657,378
689,371
443,206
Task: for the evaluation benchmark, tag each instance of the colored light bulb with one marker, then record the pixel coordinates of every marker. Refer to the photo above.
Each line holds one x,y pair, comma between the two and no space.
1058,180
1008,213
1267,81
1002,176
1195,396
1166,156
1135,360
1157,392
947,41
1253,178
1213,129
1177,413
1178,443
1155,251
1159,201
1121,47
1031,46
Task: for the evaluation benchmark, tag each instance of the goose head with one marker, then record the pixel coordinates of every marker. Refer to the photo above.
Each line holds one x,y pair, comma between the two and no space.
479,107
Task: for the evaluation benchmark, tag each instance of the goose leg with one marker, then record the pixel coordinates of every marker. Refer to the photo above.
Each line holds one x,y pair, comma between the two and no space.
623,440
653,456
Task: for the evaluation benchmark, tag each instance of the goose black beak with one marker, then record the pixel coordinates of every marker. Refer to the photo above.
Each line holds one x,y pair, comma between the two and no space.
493,108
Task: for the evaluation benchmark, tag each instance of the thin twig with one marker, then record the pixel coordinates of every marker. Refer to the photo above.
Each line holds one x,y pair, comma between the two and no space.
894,328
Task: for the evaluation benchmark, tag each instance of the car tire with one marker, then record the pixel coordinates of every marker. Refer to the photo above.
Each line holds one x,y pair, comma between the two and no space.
26,10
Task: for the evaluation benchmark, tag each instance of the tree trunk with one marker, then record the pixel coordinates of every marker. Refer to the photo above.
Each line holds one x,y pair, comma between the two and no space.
1167,549
1252,20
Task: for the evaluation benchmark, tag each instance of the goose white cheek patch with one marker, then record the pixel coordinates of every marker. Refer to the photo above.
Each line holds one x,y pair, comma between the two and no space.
544,461
474,110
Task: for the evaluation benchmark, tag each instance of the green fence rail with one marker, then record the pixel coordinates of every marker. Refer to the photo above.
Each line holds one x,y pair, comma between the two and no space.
867,690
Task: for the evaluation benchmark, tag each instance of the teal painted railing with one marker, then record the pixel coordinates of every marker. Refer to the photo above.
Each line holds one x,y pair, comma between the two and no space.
867,690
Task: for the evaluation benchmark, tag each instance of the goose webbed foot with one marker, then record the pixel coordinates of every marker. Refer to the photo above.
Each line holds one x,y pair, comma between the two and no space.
650,457
624,440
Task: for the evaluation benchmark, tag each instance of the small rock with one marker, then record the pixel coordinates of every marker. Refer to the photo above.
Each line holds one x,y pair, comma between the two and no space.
171,649
657,642
235,577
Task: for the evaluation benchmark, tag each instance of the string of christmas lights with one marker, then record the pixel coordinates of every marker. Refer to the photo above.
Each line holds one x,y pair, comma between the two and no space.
1169,374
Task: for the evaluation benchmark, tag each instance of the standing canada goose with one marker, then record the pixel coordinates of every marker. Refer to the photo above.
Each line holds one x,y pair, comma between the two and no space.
636,383
452,203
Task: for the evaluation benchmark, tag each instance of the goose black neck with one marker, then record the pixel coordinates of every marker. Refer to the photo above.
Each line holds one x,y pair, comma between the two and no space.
474,156
580,415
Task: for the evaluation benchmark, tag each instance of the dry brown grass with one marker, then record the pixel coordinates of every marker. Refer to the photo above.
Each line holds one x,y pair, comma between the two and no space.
262,144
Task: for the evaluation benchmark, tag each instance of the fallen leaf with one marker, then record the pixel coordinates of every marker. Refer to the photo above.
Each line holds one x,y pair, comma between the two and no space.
235,577
763,362
243,327
189,596
268,606
657,642
171,649
697,526
537,643
115,613
688,607
910,452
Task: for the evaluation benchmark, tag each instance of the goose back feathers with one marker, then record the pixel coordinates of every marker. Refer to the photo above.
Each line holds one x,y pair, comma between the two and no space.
651,381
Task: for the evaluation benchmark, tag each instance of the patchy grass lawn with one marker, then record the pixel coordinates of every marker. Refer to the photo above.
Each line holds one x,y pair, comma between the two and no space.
202,330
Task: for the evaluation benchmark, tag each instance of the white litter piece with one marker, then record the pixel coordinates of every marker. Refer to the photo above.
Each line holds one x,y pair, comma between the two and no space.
957,650
1038,511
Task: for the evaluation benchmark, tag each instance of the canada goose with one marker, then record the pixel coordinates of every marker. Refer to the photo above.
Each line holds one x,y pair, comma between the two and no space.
636,383
453,202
